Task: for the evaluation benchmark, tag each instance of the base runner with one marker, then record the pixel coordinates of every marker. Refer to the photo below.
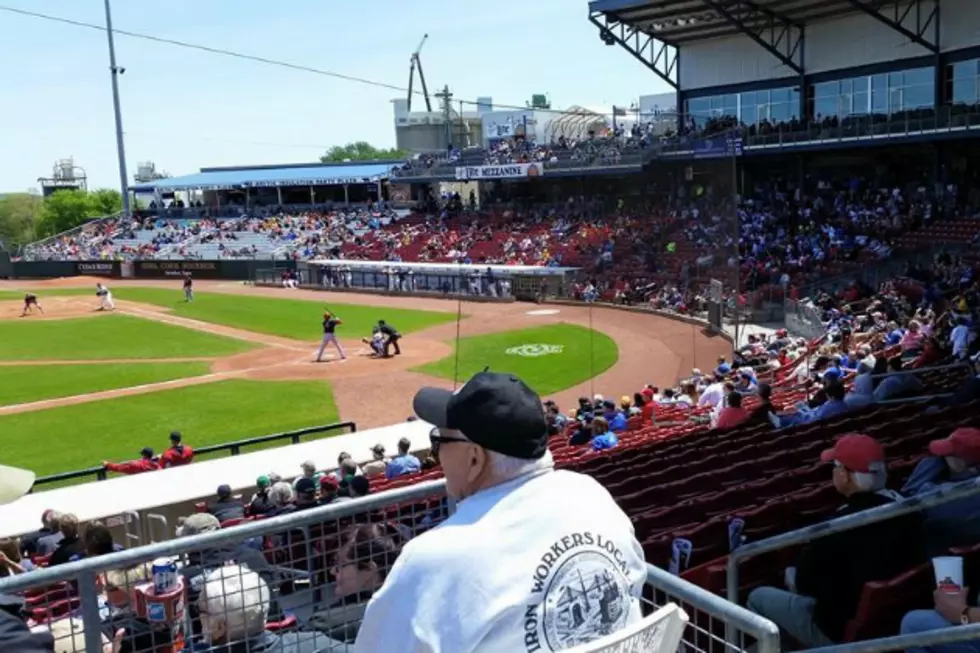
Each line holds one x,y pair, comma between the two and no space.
105,298
30,301
330,324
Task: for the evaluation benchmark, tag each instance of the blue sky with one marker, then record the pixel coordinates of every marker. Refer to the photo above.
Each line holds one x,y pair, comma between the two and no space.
185,109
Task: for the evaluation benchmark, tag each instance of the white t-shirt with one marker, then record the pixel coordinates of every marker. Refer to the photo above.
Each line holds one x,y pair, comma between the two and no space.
542,563
960,336
712,395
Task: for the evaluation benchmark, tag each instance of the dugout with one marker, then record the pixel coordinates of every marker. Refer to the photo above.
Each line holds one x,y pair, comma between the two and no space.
474,281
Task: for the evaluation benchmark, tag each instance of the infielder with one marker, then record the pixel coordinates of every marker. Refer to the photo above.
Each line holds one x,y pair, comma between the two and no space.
105,298
188,287
30,301
330,324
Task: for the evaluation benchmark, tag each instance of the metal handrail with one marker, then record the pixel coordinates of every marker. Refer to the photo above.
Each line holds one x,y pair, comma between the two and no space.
807,534
234,448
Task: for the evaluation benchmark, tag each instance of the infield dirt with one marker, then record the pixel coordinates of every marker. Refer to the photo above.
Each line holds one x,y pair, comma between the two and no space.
377,392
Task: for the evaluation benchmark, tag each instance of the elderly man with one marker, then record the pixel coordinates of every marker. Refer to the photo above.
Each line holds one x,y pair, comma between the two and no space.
524,537
233,607
826,584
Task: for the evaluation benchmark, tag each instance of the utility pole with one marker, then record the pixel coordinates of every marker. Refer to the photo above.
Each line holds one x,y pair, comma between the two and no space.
447,109
115,71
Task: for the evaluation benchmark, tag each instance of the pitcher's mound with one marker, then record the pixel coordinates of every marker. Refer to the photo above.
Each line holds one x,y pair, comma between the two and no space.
55,308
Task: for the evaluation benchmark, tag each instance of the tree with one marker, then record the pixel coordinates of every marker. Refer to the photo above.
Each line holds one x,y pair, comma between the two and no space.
361,151
106,201
19,214
67,209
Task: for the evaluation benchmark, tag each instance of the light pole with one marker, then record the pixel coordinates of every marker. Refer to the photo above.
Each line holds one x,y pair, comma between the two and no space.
115,71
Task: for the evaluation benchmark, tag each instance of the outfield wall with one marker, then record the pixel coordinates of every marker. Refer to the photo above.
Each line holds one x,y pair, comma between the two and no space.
232,269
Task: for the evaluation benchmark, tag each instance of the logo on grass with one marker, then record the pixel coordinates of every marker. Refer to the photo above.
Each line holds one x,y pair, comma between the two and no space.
535,350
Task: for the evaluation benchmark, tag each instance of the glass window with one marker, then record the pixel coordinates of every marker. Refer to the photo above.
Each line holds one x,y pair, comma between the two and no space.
919,96
794,98
698,107
918,77
965,91
779,96
860,102
879,94
965,69
749,113
825,89
729,105
824,107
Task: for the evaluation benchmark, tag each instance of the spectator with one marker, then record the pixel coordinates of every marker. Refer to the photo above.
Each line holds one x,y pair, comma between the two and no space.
733,414
404,462
378,464
862,392
714,393
309,471
328,489
11,562
364,558
146,463
71,545
951,609
834,406
98,541
305,490
226,507
138,634
281,497
261,503
49,528
14,633
602,437
353,487
493,444
897,385
177,454
615,418
831,572
234,605
954,459
760,414
351,469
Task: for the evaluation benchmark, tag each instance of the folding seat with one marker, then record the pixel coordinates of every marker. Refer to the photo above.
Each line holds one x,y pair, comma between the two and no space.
884,603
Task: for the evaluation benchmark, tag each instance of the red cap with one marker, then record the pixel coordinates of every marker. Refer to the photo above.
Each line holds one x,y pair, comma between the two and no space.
329,481
962,443
856,452
647,392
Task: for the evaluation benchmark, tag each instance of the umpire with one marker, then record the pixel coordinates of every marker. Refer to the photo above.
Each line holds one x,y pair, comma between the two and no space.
391,338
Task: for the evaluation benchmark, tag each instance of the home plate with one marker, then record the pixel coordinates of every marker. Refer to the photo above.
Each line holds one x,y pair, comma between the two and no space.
544,311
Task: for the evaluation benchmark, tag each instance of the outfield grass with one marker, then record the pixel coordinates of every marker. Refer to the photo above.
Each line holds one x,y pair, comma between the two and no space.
21,384
546,374
108,336
83,435
289,318
11,294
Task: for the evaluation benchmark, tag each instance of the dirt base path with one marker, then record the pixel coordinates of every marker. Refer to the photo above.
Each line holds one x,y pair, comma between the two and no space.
377,392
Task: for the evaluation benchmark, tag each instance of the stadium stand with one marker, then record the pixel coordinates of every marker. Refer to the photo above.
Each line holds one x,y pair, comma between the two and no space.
833,172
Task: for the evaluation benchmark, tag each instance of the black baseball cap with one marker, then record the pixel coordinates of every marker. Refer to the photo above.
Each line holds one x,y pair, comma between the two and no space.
494,410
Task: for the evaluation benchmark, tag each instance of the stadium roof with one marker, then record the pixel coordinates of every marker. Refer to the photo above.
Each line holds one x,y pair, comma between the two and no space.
310,174
684,21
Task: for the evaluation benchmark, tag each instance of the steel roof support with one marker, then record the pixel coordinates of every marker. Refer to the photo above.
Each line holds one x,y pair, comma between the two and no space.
657,55
896,14
779,36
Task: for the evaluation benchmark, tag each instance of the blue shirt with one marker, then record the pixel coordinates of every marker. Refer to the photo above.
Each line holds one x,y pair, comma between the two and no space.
617,421
407,464
607,440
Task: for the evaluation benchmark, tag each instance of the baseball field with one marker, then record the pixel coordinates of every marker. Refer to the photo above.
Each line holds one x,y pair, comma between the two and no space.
80,385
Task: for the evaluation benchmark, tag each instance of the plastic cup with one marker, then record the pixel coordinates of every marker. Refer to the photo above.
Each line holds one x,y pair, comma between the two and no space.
949,573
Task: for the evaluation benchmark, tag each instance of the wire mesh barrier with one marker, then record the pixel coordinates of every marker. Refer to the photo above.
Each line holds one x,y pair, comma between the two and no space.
297,581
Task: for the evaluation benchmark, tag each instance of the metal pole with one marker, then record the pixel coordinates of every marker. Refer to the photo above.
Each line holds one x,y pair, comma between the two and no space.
738,235
120,142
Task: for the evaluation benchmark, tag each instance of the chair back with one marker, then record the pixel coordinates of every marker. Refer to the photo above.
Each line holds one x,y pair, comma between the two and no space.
660,632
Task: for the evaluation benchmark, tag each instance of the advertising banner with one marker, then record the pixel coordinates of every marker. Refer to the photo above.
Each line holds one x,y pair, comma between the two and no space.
98,268
157,269
507,171
719,146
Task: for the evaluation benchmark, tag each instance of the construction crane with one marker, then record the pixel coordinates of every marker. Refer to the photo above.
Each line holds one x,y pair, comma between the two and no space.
417,63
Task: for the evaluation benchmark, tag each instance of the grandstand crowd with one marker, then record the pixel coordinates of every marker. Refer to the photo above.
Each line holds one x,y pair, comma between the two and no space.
789,432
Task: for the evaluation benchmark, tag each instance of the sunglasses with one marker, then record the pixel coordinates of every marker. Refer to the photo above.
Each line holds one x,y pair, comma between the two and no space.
435,437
